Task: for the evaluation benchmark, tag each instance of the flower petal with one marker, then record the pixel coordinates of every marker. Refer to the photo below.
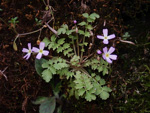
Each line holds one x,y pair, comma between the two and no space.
111,50
29,46
105,41
108,60
39,55
105,32
104,56
100,37
114,57
34,49
45,52
27,56
99,52
25,50
42,45
111,36
105,49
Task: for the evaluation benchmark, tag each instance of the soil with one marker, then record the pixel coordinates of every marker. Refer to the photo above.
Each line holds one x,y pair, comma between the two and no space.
19,82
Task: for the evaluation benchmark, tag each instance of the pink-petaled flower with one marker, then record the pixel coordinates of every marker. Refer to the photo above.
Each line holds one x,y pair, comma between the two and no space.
106,37
108,56
28,51
74,21
99,52
40,51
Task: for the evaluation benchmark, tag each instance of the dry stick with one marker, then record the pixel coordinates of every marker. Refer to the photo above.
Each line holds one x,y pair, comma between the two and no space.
48,2
44,2
53,30
2,72
18,35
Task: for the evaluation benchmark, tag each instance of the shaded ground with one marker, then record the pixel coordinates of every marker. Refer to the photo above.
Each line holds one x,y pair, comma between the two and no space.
130,73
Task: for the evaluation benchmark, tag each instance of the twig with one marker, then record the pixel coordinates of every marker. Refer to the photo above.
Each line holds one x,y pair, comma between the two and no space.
23,34
53,30
2,73
124,41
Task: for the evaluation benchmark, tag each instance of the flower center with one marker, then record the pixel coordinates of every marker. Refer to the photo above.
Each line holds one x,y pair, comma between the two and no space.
105,37
29,51
107,55
41,51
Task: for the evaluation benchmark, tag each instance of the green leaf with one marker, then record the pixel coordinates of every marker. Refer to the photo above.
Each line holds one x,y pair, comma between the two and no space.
97,78
60,49
100,69
66,45
46,41
81,91
1,9
102,82
47,75
38,65
45,65
87,34
82,23
79,86
81,32
67,51
126,35
98,88
88,85
85,43
105,88
90,20
89,27
94,16
89,97
57,66
86,15
52,69
105,71
55,46
59,109
82,50
56,88
53,38
104,95
39,100
46,8
48,106
61,31
61,41
15,46
64,26
69,32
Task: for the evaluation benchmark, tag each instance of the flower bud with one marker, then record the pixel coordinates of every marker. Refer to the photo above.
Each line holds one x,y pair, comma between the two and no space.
74,21
76,30
99,52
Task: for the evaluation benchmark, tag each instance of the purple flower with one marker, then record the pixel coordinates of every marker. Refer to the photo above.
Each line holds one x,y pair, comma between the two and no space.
28,51
99,52
40,51
108,56
74,21
106,37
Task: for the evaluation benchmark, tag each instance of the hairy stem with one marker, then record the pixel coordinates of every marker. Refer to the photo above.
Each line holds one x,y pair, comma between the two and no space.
77,41
74,48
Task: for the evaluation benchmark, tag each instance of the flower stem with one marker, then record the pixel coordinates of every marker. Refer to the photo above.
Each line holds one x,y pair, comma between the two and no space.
77,41
74,48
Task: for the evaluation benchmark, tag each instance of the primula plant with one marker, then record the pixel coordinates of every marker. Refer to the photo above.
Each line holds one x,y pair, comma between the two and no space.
75,58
